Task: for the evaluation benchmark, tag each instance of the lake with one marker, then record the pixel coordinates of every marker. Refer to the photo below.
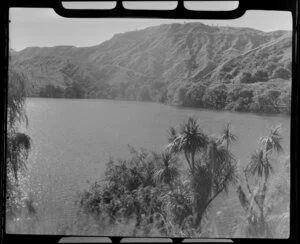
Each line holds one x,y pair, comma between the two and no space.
72,140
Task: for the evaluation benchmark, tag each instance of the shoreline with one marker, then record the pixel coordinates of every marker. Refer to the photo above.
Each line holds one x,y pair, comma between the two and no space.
286,115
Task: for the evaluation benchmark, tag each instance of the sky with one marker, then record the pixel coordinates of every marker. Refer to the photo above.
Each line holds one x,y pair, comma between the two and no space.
44,28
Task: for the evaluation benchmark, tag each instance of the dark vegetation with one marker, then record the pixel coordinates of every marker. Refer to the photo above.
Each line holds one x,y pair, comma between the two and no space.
171,193
189,65
259,97
18,143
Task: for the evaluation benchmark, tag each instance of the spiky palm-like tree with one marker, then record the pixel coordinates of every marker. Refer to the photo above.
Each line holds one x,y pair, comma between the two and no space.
218,155
211,172
190,140
227,136
260,166
260,163
209,181
272,142
172,133
169,170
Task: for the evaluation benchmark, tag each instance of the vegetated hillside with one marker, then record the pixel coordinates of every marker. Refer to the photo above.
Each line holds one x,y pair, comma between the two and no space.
184,64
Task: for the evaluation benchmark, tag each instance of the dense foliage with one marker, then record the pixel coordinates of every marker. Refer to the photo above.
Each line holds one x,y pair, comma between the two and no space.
259,97
18,142
158,190
171,193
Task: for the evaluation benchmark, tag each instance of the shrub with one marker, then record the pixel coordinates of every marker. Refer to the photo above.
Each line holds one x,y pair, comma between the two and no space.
152,189
270,67
18,143
259,76
144,94
194,96
246,78
130,190
281,73
215,97
179,97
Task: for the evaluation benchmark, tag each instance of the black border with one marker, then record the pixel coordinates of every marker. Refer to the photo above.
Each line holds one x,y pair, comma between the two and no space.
179,13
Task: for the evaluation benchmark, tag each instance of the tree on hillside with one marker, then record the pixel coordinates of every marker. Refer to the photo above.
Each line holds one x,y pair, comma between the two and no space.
215,97
267,102
246,78
259,76
286,102
270,67
288,66
179,97
18,143
281,73
144,94
74,90
274,98
51,91
239,99
194,95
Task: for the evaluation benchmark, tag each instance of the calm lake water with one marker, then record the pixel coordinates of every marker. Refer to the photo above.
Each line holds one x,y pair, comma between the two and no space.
73,140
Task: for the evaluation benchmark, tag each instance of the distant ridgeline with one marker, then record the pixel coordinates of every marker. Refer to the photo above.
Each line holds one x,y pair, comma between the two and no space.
192,65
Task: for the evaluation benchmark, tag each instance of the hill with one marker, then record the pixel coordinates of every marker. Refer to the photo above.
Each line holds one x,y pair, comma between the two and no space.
181,64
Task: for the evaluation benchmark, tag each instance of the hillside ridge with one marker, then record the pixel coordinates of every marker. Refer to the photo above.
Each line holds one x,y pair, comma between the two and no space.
157,62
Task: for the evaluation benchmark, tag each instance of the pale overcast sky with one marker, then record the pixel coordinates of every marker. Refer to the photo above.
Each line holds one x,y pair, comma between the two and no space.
43,27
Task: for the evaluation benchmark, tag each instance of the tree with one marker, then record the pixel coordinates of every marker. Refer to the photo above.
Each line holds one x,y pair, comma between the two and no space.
51,91
18,143
270,67
211,173
281,73
194,96
144,94
189,140
260,167
169,170
246,78
244,100
267,102
216,97
260,75
227,136
288,66
272,142
180,96
74,91
274,95
286,102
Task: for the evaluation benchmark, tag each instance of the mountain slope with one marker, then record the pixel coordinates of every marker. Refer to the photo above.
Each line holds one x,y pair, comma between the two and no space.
165,56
